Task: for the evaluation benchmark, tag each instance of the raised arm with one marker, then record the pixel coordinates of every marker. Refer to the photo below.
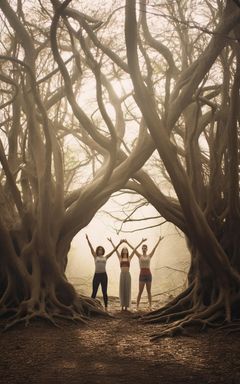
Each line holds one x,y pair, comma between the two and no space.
155,247
91,247
117,251
134,250
114,249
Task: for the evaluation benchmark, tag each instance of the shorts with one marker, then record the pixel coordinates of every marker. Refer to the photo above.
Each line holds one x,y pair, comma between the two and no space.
145,275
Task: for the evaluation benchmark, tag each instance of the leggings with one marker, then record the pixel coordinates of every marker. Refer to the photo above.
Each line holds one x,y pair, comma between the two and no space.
100,278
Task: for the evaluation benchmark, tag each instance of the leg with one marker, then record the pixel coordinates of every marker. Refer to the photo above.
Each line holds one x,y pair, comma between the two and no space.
148,286
104,284
140,291
95,285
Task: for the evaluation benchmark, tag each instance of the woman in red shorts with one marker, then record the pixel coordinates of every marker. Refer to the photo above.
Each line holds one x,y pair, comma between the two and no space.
145,277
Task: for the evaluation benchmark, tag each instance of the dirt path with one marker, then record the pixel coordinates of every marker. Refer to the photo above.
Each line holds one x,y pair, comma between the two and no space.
111,351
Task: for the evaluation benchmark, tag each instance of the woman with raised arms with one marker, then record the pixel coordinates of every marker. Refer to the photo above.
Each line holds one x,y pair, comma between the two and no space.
145,277
125,277
100,277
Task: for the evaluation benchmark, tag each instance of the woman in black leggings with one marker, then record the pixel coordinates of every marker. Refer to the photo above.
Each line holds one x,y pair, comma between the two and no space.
100,276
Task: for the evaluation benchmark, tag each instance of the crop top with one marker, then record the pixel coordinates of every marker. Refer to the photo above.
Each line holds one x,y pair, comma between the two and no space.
124,263
144,261
100,264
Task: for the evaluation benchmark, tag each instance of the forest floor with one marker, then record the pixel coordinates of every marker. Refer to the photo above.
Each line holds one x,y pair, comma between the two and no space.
115,350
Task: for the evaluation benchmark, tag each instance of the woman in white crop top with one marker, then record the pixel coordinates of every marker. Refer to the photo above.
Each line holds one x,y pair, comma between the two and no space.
100,276
145,277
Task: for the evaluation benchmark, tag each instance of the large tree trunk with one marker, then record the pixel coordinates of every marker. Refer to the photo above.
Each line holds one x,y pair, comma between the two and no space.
33,283
213,294
207,302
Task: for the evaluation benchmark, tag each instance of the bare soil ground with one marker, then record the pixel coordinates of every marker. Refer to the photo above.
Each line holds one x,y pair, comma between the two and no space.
115,350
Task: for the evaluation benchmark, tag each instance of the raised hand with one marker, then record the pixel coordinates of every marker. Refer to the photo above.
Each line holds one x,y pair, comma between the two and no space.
91,247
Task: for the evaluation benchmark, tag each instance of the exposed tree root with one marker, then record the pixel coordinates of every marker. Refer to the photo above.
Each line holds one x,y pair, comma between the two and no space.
45,294
79,311
187,312
231,327
179,306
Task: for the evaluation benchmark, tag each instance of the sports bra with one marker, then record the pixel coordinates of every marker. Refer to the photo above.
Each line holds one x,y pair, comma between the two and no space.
124,263
144,261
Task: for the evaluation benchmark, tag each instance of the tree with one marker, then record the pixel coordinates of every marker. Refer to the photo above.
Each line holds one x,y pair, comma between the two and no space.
44,201
177,112
202,163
